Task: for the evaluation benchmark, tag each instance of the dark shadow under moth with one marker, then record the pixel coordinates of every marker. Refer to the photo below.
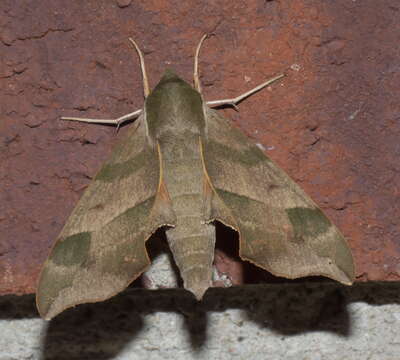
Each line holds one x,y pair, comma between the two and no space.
184,166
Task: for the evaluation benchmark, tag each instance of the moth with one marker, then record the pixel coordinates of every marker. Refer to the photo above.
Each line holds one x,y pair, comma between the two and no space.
183,166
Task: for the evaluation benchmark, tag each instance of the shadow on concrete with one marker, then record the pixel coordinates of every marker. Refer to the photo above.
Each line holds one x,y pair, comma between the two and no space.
102,330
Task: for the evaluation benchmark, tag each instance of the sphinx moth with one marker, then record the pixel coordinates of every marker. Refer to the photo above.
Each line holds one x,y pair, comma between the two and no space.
183,166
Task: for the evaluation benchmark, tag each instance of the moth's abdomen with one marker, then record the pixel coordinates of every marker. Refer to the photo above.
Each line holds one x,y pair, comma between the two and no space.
192,240
192,243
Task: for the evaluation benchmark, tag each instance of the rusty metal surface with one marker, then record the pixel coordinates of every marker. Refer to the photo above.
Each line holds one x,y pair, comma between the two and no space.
332,123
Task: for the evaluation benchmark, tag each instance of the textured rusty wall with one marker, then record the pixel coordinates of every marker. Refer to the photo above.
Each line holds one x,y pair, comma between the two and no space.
332,123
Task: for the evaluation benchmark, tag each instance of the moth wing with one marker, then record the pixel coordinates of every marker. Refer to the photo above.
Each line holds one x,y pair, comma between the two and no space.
101,248
280,228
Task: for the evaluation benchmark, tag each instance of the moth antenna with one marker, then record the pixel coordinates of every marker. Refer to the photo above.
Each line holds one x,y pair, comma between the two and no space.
197,84
117,121
146,87
233,101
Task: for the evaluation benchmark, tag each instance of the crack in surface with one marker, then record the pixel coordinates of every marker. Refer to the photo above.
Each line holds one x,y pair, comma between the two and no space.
36,37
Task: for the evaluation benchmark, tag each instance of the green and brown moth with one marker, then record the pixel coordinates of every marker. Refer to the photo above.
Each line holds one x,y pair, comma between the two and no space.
184,166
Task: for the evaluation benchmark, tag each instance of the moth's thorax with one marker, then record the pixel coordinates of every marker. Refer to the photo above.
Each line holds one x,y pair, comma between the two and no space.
174,108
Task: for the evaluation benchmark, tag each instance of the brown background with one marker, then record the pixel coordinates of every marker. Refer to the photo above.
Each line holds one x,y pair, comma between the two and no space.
332,123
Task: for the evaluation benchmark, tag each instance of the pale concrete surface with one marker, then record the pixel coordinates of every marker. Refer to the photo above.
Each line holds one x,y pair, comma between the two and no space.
297,321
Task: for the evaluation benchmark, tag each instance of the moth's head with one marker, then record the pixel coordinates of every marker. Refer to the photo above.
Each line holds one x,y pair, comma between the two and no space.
170,83
170,76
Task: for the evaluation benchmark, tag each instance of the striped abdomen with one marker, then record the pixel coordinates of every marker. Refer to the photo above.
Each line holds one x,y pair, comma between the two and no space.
192,241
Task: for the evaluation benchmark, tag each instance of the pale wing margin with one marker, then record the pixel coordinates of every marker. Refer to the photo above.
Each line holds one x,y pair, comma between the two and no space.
280,228
101,248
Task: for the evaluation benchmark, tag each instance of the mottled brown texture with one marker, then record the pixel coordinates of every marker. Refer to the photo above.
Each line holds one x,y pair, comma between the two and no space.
332,124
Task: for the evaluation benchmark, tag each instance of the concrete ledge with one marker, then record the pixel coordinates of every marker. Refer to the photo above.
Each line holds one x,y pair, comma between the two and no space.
282,321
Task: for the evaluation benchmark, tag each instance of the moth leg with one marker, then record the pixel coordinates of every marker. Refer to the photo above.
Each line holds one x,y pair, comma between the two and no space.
146,87
236,100
196,79
117,121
